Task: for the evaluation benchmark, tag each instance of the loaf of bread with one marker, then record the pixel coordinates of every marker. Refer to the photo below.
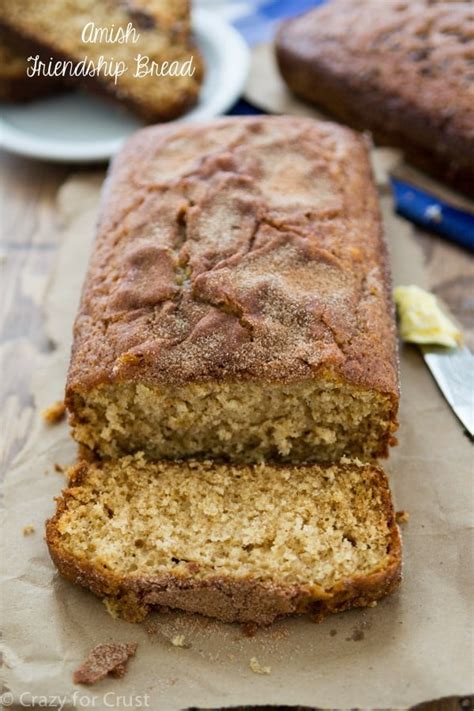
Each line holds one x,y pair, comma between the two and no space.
238,299
401,68
247,543
15,85
116,33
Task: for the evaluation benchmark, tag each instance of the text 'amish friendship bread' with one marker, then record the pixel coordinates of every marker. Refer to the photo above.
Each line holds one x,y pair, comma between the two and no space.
75,31
237,302
247,543
401,68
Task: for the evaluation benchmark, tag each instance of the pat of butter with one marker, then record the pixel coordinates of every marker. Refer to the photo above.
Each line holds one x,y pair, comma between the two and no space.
422,320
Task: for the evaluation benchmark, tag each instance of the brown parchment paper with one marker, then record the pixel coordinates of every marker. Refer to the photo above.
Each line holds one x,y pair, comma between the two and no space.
414,646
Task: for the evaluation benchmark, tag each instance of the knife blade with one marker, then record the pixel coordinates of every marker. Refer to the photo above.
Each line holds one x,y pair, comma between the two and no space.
453,371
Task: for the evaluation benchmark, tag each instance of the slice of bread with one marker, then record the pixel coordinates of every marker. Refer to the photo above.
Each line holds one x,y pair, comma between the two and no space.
238,543
108,34
15,85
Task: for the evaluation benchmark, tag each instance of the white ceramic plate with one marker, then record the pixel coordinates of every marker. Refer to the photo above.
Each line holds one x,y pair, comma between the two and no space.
76,127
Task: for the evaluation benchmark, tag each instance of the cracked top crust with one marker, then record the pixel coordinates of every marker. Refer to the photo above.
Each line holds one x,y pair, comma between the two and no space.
242,249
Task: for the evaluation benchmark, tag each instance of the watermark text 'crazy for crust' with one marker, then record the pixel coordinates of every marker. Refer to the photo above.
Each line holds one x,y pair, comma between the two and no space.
77,700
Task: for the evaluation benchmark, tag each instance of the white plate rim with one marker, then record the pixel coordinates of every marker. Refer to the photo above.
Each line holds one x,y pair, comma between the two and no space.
233,56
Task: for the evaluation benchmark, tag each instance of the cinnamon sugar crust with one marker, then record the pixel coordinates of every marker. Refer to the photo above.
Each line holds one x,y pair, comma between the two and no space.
237,257
105,659
403,70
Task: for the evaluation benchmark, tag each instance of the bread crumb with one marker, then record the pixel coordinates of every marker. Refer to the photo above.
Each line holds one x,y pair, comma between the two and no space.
372,604
249,629
54,413
151,627
28,530
102,660
351,460
111,607
356,636
58,468
179,640
402,516
257,668
280,633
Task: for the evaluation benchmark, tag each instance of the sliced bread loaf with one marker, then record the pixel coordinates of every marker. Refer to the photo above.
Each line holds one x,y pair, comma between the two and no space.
239,543
119,43
238,299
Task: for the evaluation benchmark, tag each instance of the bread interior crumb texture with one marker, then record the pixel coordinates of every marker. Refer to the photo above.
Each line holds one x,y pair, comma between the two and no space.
318,420
306,525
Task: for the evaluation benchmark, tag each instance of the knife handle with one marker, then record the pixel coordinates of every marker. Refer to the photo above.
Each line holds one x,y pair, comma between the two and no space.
434,214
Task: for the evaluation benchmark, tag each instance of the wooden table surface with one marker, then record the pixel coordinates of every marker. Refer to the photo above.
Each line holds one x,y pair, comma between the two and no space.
29,242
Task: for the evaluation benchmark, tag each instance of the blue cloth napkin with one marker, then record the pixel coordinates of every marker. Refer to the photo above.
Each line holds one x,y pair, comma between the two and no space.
418,206
260,25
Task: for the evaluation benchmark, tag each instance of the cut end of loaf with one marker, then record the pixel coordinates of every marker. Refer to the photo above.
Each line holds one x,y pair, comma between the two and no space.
318,421
239,543
236,310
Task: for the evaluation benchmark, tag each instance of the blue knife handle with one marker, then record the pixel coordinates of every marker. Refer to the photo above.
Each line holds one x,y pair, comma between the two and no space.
433,214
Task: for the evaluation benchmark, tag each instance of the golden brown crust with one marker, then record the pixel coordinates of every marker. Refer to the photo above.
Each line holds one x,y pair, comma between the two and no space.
400,69
226,598
15,85
244,249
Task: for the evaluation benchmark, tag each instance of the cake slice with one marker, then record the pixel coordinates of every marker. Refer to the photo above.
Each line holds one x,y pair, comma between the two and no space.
109,33
238,543
238,299
401,69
